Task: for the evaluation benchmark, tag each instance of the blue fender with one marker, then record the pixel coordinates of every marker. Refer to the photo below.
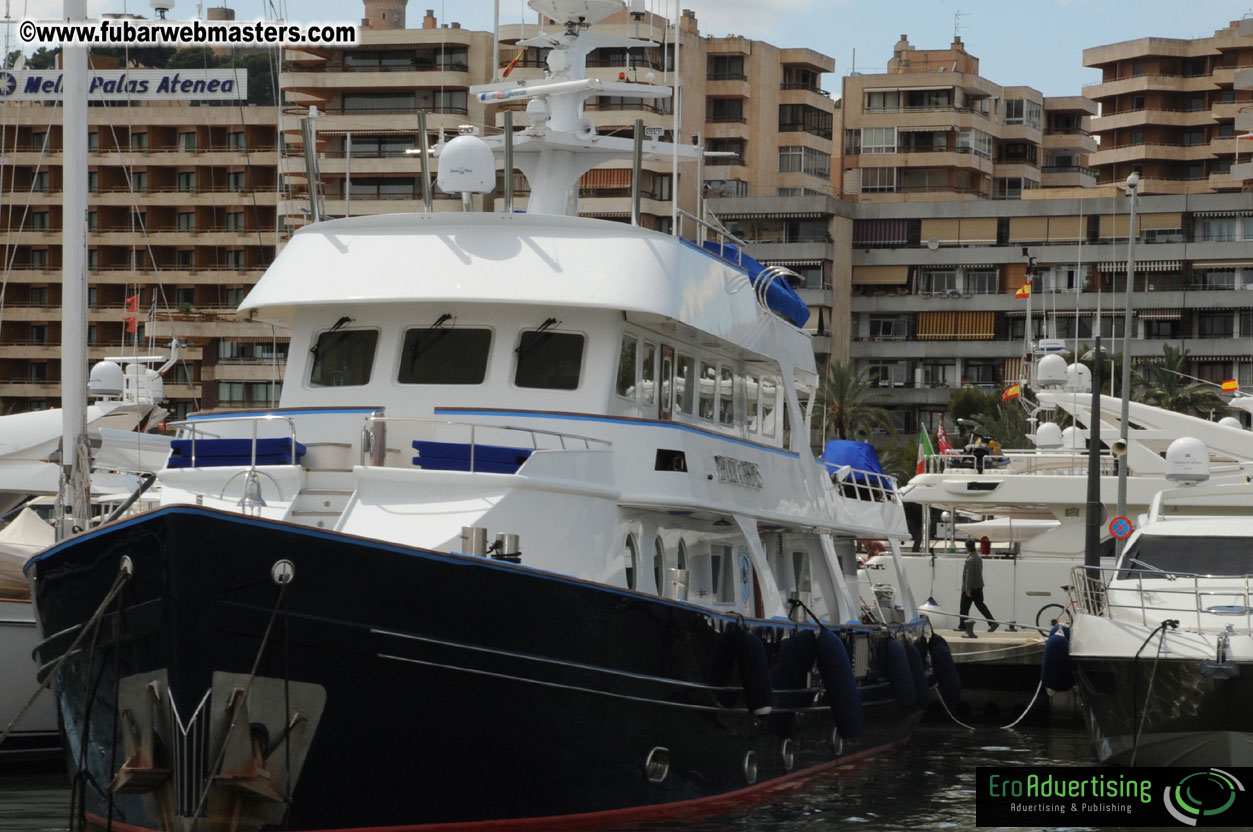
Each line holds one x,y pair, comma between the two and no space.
843,697
945,668
1055,670
901,678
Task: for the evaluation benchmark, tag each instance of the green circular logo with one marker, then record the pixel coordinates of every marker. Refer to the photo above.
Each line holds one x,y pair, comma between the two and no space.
1202,794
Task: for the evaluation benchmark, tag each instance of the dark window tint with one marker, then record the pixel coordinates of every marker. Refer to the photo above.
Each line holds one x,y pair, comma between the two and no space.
343,358
445,356
549,359
1158,556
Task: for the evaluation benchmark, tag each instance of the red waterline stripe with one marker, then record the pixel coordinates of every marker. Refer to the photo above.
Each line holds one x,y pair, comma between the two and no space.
660,811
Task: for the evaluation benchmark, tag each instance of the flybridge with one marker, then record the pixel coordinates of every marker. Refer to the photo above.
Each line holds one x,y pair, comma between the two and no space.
130,85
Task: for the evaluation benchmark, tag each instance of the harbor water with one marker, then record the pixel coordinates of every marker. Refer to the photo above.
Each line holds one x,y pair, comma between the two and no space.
927,785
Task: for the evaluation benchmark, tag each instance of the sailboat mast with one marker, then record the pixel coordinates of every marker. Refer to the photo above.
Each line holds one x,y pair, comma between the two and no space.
74,280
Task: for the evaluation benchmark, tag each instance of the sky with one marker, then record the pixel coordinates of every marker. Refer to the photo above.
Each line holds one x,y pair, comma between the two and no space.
1038,44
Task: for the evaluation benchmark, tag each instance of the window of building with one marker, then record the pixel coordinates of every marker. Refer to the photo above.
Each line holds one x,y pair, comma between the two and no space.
235,296
804,118
878,140
804,160
1216,229
979,371
138,259
185,258
187,221
39,296
724,110
93,142
93,181
38,371
889,328
450,101
549,360
187,141
1193,136
445,355
93,221
39,220
93,259
235,258
231,393
732,146
343,357
237,140
1214,325
937,373
1014,111
939,281
39,333
236,180
1214,279
93,297
184,297
726,68
139,181
889,101
187,180
981,282
381,102
39,258
234,220
726,187
875,180
886,373
139,141
975,141
1161,329
93,335
852,142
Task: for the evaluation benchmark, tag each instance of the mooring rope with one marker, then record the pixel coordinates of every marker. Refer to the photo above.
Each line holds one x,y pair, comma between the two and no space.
1020,718
1148,696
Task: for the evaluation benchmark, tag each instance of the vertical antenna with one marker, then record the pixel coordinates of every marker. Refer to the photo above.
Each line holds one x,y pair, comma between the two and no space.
957,23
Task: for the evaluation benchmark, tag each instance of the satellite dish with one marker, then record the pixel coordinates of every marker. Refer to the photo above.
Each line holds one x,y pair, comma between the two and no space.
1074,438
1078,378
1051,371
1231,422
1048,437
467,166
933,243
1187,461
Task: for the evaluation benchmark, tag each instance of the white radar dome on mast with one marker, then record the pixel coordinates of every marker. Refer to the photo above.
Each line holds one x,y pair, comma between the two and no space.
1187,461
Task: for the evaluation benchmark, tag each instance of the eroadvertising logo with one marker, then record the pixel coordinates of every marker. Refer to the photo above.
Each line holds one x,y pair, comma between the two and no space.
1012,796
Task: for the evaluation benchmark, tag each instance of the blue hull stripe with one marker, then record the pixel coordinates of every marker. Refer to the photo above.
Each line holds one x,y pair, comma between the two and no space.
580,417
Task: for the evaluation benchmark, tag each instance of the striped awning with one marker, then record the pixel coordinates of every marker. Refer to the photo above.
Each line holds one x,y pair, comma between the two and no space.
880,275
975,326
1141,266
1013,369
1158,315
792,262
1230,264
937,128
606,178
937,325
1215,213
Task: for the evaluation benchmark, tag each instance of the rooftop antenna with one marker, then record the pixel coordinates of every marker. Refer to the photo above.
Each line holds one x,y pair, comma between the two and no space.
957,23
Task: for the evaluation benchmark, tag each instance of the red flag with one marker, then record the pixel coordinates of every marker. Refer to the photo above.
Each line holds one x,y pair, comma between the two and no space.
941,439
1011,392
1231,385
132,309
512,64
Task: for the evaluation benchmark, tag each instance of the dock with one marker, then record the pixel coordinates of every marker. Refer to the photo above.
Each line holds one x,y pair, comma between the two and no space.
999,674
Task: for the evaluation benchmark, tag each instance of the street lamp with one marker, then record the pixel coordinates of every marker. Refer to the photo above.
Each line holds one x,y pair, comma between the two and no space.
1133,186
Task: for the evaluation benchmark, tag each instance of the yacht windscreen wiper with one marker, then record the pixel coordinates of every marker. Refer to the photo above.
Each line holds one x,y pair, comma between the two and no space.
418,346
317,348
539,336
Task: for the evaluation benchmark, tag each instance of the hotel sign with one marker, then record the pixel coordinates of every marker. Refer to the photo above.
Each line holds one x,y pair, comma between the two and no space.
129,85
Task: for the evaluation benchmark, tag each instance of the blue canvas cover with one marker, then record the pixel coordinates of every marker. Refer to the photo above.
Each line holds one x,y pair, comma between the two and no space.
780,297
860,456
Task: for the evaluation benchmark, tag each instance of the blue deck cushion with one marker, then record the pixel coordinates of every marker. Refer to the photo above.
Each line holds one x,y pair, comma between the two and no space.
455,456
214,453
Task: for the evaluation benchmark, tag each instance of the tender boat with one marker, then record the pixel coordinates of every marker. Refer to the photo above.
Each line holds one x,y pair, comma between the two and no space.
1161,648
535,536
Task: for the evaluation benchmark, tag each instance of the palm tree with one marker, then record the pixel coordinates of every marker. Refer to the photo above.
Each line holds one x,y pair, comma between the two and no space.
846,403
1166,386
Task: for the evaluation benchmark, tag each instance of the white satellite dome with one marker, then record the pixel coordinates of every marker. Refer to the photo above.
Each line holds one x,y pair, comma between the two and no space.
1079,378
1074,437
1051,371
1187,461
1048,436
1231,422
106,381
466,165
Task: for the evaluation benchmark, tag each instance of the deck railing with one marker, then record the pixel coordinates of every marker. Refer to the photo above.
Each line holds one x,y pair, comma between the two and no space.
1209,602
374,437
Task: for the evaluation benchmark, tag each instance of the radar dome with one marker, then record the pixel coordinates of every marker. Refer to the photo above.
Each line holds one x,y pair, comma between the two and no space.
1051,371
1074,437
1231,422
466,165
1048,436
1187,461
1079,378
106,380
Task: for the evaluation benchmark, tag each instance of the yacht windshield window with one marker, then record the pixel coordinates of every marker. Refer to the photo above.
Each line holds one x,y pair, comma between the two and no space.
648,374
551,360
751,392
683,384
769,396
343,357
708,377
1157,556
445,356
726,397
626,367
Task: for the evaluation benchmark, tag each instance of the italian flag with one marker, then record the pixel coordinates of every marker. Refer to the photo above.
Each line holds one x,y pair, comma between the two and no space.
924,450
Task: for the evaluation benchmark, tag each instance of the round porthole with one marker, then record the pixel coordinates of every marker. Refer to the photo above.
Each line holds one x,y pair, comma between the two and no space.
837,742
786,755
657,764
750,767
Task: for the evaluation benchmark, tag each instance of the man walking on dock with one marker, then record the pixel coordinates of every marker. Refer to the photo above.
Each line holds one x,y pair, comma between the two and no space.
972,592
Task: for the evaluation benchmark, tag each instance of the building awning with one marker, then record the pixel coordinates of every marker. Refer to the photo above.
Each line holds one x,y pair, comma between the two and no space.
768,215
1013,369
947,231
606,178
793,263
1158,315
1115,226
1028,229
1215,213
1229,264
1147,221
880,275
934,128
1067,229
978,231
974,326
937,325
1141,266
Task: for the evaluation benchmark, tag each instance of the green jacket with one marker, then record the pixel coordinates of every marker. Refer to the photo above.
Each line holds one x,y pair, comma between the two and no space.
972,572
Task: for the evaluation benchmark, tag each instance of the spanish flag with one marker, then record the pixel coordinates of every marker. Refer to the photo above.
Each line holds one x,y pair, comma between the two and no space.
1230,385
512,64
1025,291
1011,392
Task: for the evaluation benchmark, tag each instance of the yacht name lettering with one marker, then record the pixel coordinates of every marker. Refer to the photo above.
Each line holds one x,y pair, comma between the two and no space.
738,472
129,85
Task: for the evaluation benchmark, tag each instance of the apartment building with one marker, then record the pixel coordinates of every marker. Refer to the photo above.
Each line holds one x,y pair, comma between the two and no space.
930,127
928,318
758,110
181,216
1172,107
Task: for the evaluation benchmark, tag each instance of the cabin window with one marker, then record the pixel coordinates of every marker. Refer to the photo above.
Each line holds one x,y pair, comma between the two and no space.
683,384
722,568
769,405
726,396
648,374
626,367
659,565
708,377
752,391
801,577
551,360
681,557
343,357
631,556
444,355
